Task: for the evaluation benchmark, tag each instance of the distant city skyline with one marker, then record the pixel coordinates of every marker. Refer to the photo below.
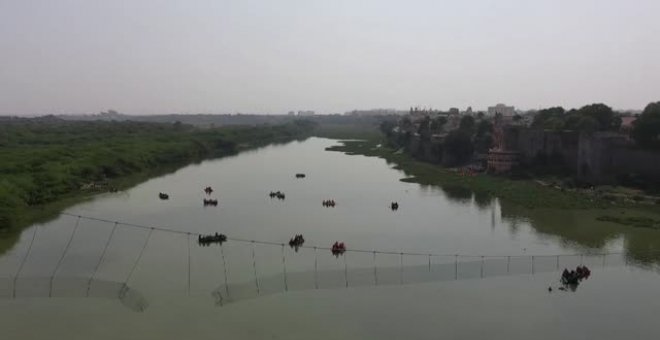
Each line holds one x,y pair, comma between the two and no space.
272,57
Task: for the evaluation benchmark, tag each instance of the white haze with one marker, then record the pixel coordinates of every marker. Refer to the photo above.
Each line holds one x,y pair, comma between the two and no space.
150,56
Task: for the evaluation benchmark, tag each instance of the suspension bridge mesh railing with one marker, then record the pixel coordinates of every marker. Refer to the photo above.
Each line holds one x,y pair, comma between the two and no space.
103,258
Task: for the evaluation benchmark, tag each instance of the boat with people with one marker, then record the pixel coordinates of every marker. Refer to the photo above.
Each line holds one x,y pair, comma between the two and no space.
296,242
206,240
300,175
394,206
338,248
212,202
277,194
329,203
163,196
574,277
208,190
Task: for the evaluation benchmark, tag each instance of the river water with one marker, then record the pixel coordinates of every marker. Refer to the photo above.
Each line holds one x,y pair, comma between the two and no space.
445,264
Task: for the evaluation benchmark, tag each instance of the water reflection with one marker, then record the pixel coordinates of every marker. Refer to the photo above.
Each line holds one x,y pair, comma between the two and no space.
458,194
483,201
581,228
72,287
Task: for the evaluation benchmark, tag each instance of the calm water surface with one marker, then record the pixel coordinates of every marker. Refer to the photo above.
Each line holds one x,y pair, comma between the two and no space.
161,285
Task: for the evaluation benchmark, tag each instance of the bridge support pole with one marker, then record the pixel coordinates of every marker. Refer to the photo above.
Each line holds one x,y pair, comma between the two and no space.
224,268
254,266
375,270
316,269
286,286
401,268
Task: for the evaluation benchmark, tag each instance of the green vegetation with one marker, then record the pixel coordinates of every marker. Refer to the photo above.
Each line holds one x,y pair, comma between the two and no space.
646,131
47,160
590,118
525,193
635,221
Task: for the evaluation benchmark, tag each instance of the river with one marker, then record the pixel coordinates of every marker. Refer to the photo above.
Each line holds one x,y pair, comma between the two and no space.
445,264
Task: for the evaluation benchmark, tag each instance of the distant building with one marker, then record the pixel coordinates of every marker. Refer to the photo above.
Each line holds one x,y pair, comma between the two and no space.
501,157
374,112
627,123
306,113
504,110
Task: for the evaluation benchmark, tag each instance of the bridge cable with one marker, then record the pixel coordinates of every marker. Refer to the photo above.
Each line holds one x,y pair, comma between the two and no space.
144,246
354,250
101,259
224,268
59,263
27,253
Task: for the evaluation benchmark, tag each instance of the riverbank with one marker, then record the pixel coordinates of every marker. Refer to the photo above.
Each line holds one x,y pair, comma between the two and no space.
525,193
49,164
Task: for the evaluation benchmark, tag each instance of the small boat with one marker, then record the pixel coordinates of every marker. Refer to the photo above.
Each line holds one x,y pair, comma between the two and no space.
338,248
300,175
163,196
205,240
210,202
297,241
574,277
208,190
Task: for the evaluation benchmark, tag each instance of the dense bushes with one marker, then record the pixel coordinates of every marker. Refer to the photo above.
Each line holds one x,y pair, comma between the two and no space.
45,159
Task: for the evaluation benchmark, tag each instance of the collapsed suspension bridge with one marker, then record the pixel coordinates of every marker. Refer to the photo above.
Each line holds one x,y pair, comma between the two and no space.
107,266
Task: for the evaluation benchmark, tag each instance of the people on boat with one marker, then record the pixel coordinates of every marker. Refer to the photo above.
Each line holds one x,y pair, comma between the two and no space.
573,277
329,203
300,175
394,205
208,190
296,242
338,248
206,240
163,196
277,194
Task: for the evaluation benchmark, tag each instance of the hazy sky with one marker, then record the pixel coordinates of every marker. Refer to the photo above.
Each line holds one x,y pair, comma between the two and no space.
214,56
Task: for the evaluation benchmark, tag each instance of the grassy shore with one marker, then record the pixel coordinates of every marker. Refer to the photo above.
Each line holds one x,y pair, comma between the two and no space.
525,193
49,164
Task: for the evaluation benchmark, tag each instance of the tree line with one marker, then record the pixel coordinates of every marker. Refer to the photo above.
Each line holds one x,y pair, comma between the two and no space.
47,159
474,133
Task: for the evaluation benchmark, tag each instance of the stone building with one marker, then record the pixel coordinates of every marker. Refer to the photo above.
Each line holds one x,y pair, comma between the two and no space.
598,157
504,155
